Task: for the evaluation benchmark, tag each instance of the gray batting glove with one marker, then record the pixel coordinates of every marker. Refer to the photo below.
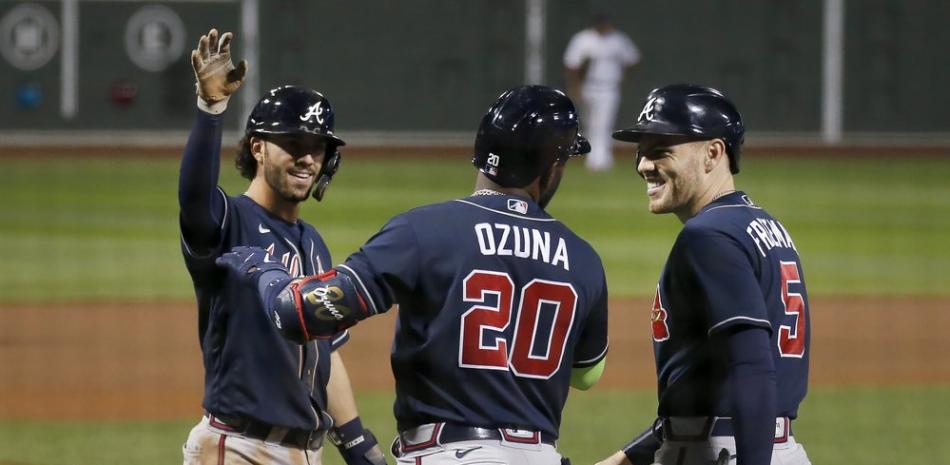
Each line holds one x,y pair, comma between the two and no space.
216,76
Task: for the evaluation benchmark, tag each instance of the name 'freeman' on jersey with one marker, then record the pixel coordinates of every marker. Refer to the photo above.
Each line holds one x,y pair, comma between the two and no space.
505,239
767,233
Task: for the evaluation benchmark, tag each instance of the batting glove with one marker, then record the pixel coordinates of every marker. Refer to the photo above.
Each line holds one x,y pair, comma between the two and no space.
249,264
216,76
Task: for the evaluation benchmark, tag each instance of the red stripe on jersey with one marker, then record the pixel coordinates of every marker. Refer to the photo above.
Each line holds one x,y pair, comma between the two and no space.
221,449
298,302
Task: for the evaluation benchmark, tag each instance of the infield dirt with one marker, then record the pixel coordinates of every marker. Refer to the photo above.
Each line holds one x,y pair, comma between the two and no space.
142,361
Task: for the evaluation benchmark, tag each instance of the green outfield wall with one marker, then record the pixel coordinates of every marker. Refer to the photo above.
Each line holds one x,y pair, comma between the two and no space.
432,65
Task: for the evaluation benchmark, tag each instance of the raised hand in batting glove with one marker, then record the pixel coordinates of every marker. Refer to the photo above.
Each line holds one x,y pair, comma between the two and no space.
216,76
357,445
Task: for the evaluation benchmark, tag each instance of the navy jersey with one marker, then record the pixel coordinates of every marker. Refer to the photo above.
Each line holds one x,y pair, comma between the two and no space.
497,302
250,370
732,264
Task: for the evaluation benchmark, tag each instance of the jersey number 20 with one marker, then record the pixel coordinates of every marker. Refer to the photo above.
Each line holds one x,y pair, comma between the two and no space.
532,355
791,339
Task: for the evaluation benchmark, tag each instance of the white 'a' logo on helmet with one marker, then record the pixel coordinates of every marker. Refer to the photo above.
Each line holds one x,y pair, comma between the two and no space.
649,111
314,111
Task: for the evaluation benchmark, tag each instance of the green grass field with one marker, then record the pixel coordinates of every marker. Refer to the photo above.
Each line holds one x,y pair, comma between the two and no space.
866,426
106,229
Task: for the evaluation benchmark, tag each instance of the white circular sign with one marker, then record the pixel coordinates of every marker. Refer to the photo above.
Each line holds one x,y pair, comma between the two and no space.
154,37
30,36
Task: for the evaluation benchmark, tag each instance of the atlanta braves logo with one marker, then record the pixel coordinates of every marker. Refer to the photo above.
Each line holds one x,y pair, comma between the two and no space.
314,111
661,331
649,111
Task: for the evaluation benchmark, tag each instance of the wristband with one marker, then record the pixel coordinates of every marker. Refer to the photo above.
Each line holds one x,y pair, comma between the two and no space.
215,108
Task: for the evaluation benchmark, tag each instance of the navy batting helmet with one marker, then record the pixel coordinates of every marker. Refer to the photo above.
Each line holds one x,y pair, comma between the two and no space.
524,132
690,110
298,111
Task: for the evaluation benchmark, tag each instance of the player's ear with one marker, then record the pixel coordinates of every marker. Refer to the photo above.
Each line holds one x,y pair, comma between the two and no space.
715,154
257,148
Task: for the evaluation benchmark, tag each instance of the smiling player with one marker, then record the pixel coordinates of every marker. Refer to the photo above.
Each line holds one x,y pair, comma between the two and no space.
266,400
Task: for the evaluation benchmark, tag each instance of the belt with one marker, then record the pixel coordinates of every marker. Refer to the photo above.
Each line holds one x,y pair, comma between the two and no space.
700,428
291,437
435,434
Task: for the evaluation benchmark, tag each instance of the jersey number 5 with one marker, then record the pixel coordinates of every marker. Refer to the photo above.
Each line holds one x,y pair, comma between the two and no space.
791,340
534,353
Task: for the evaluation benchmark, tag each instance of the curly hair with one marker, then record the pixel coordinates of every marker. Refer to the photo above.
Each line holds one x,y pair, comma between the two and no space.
245,161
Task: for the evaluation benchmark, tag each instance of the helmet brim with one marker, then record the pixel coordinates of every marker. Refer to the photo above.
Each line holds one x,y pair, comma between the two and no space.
635,133
328,137
581,146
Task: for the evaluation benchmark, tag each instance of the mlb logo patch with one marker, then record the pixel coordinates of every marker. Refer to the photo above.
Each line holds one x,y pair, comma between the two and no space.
519,206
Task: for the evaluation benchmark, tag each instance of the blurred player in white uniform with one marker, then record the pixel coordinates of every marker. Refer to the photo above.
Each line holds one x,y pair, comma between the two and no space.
595,61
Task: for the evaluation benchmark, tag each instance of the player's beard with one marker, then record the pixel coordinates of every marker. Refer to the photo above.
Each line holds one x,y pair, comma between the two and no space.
670,197
279,180
679,190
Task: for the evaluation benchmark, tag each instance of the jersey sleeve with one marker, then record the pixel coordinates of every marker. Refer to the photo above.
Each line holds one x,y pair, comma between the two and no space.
575,54
724,278
339,339
386,265
631,54
203,205
592,345
323,256
752,391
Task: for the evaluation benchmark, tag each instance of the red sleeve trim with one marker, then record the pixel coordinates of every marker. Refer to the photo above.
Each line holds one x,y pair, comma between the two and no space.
298,303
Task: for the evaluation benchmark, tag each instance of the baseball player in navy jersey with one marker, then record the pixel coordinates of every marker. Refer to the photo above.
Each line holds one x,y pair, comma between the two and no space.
501,307
730,317
266,400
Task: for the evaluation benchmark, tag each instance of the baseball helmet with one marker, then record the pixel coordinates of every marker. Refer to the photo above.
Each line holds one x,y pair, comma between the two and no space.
690,110
298,111
524,132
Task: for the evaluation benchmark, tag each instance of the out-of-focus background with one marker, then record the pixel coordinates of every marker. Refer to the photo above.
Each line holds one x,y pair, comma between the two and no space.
848,144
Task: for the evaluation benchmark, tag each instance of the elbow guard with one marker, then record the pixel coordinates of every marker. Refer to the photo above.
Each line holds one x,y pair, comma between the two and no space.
318,307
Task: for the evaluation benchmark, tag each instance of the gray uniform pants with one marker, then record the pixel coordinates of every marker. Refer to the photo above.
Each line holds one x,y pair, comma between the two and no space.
208,445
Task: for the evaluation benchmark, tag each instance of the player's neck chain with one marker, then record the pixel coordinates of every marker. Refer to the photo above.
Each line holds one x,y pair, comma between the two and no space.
723,193
487,192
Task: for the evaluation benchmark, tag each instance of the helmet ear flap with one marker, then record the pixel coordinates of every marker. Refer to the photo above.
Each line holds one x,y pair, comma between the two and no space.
320,188
331,164
581,145
734,150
